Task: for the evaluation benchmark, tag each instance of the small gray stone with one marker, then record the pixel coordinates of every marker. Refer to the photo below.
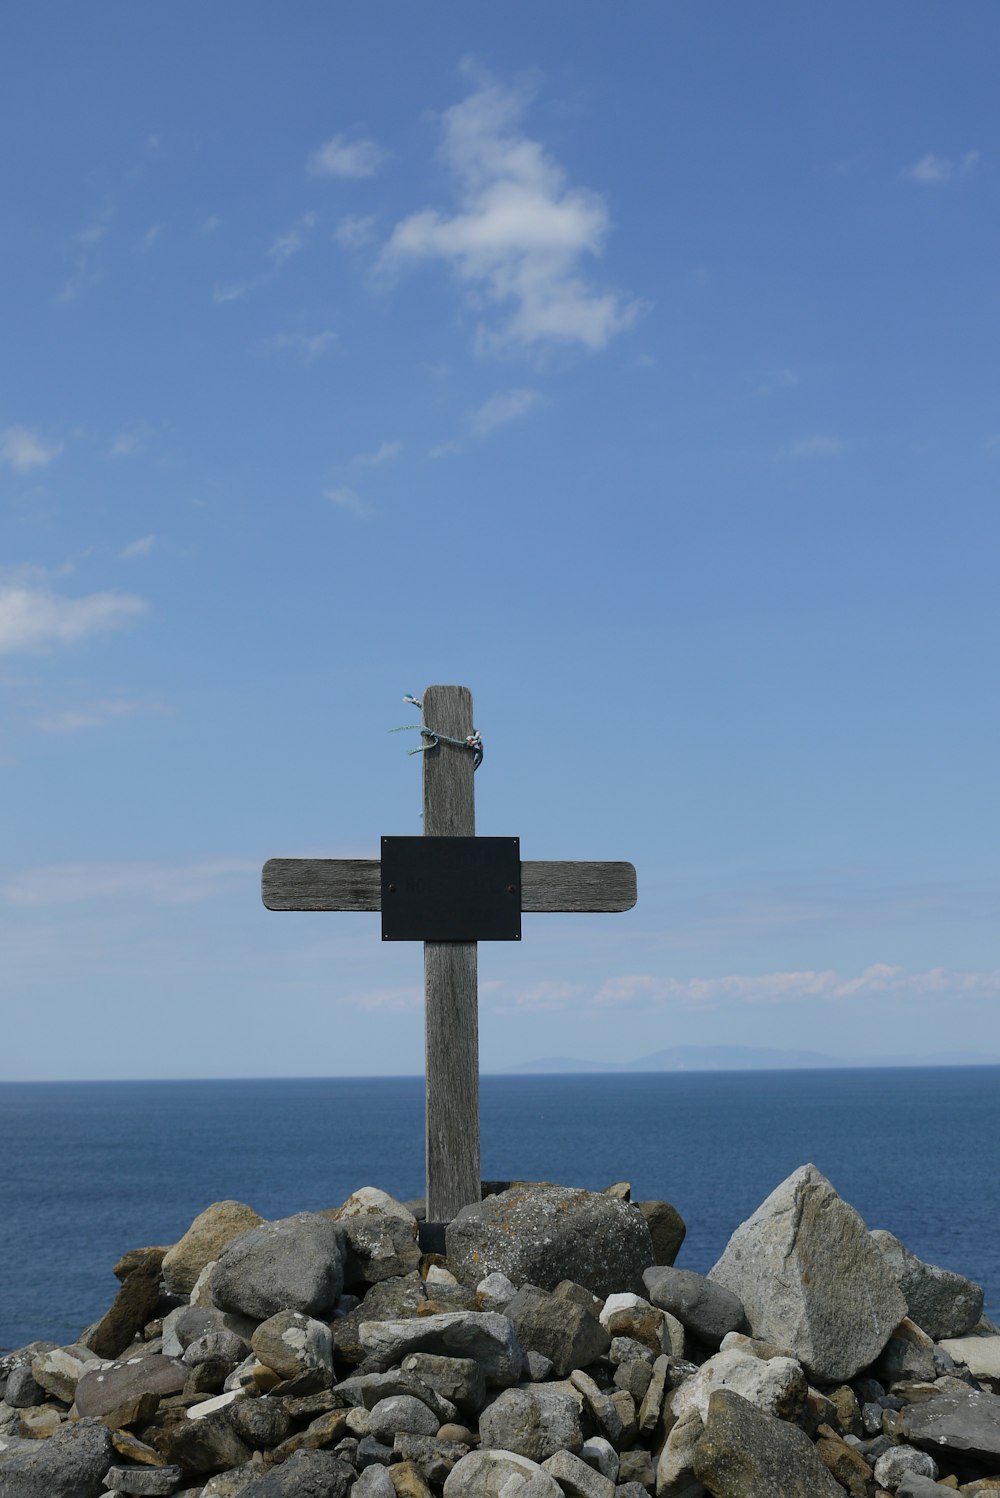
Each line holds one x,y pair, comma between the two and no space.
372,1453
602,1456
374,1482
260,1422
433,1457
293,1264
222,1346
495,1291
707,1309
538,1365
576,1478
401,1412
892,1466
143,1480
23,1391
903,1360
185,1324
535,1421
913,1485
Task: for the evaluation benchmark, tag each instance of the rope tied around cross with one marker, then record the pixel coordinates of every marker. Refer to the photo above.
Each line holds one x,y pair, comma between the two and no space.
473,741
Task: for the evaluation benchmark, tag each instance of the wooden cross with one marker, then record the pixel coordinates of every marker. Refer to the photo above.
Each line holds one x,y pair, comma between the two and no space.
450,988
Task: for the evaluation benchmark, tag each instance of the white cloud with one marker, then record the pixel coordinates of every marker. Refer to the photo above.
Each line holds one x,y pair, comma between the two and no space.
547,994
500,409
139,548
309,345
817,445
341,157
878,980
933,170
355,231
775,380
347,499
33,618
385,1000
84,254
150,238
233,292
23,449
383,454
210,225
445,449
519,233
96,714
162,884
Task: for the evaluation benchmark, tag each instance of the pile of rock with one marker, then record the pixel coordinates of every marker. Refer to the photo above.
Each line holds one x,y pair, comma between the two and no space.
552,1352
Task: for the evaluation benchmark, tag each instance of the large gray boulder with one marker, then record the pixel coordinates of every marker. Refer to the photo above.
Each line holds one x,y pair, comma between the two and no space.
535,1421
540,1235
746,1453
812,1280
306,1474
941,1302
294,1264
72,1463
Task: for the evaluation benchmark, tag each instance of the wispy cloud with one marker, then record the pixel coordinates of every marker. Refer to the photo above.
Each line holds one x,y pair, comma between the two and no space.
878,980
293,240
233,291
150,238
445,449
776,379
519,234
97,714
816,445
385,1000
84,255
341,157
347,499
162,884
34,618
500,409
355,231
210,225
139,548
381,455
310,345
933,170
22,449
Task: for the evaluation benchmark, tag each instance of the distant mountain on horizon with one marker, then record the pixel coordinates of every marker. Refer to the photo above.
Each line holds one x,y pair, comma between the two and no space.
741,1058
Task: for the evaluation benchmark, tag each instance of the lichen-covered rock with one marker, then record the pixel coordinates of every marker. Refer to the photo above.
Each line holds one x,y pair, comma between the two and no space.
811,1279
746,1453
967,1422
543,1234
294,1264
293,1344
204,1240
777,1385
941,1302
106,1389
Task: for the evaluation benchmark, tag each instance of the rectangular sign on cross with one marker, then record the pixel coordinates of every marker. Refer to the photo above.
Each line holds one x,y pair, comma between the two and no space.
450,890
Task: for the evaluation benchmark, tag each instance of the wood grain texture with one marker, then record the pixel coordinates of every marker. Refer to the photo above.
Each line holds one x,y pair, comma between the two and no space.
354,884
321,884
577,886
451,1034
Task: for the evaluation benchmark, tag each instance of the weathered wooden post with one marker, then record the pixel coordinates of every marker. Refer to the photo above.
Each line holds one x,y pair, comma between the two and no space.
449,889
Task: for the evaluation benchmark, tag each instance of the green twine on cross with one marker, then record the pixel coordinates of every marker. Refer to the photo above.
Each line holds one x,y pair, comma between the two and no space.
473,742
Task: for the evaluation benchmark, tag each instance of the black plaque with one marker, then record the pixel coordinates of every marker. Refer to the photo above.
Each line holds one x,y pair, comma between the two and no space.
451,889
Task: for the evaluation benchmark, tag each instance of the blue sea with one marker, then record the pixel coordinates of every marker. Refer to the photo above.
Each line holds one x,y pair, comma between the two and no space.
90,1169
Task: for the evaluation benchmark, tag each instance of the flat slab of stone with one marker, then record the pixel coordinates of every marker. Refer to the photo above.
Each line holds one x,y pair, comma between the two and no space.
981,1355
540,1235
485,1336
107,1389
812,1280
960,1422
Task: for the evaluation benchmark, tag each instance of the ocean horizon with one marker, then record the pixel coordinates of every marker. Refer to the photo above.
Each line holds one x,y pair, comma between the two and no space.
94,1168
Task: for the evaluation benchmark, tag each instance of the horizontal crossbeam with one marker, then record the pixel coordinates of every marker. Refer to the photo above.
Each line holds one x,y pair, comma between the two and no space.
355,884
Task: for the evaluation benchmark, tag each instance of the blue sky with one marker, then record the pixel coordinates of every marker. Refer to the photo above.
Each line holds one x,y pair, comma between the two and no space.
633,365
